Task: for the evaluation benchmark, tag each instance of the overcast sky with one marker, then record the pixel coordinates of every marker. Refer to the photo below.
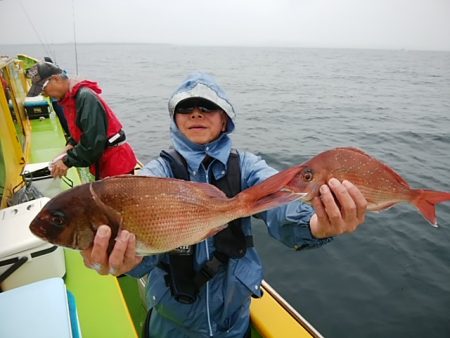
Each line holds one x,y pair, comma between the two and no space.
391,24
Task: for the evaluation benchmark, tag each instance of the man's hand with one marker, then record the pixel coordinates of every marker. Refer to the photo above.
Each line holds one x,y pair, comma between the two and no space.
340,208
58,168
122,258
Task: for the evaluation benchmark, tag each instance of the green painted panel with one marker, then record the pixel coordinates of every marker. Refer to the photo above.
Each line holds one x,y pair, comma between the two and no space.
101,308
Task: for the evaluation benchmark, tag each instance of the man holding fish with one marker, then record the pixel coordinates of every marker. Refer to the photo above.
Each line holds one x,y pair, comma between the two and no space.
182,302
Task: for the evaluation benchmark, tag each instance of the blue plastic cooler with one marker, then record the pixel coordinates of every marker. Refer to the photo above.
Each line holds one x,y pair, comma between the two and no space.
38,310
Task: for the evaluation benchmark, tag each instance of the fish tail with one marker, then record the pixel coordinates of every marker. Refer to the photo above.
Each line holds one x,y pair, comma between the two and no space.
426,201
269,193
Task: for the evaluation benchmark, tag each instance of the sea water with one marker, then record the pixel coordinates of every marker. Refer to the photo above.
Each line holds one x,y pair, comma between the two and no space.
390,278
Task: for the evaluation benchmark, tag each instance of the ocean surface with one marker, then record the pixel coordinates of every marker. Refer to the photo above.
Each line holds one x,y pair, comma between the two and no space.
390,278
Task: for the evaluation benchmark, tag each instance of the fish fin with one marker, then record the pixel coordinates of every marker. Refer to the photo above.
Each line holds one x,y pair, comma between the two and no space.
270,193
354,149
114,218
274,200
394,174
379,207
214,231
123,176
272,184
208,189
143,249
426,201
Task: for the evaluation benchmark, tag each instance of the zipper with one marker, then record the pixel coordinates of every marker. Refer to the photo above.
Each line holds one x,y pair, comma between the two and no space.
207,283
207,294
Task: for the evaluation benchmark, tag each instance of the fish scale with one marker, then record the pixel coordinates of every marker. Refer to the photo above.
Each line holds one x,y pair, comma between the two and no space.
151,227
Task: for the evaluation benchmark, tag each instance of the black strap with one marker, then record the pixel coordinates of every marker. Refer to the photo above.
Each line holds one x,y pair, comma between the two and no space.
229,243
177,163
180,276
17,264
121,138
210,269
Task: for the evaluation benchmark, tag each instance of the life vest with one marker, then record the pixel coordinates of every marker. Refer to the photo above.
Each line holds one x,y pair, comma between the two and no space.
117,158
231,242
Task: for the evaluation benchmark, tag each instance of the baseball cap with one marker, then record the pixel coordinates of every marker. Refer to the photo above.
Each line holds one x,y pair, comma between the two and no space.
39,73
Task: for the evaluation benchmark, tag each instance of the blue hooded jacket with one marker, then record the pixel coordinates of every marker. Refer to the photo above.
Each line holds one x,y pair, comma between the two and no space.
222,306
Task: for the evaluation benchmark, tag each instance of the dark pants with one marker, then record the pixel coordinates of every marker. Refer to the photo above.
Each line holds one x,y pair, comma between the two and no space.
62,118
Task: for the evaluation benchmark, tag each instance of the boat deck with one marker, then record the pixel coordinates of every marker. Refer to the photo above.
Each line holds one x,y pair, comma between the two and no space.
102,309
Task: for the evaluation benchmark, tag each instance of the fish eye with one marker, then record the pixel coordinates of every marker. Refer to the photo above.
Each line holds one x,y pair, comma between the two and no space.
57,219
308,175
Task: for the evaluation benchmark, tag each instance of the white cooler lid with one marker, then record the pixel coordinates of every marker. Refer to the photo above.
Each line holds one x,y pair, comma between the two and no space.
38,310
35,99
33,167
15,235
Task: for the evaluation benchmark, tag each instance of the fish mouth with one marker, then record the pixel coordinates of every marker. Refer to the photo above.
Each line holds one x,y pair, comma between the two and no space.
297,195
38,231
75,241
301,195
307,197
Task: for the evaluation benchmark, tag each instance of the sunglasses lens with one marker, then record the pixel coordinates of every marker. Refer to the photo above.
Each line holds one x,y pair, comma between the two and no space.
188,106
45,85
184,110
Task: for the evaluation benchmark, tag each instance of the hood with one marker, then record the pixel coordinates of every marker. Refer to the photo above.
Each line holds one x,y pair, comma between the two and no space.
77,84
195,153
202,85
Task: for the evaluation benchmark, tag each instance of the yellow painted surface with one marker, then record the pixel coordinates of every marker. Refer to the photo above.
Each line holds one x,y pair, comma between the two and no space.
14,154
270,319
16,80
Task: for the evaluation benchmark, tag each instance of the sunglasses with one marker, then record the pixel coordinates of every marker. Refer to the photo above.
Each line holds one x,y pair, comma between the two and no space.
46,84
188,106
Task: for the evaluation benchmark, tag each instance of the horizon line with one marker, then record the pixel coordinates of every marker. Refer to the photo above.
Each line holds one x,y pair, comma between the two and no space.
293,46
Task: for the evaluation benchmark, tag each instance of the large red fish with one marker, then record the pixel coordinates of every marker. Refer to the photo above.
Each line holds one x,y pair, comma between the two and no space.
381,186
163,213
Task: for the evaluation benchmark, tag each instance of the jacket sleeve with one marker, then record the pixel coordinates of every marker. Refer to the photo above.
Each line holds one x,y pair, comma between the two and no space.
288,223
91,119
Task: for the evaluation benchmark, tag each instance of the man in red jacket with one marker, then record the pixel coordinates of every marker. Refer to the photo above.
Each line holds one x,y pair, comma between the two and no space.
96,138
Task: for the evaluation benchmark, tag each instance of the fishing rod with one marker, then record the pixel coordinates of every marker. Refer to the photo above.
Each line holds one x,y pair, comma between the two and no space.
75,37
43,44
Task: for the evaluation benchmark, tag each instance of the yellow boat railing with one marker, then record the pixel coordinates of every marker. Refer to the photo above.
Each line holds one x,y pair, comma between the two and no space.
15,129
273,316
